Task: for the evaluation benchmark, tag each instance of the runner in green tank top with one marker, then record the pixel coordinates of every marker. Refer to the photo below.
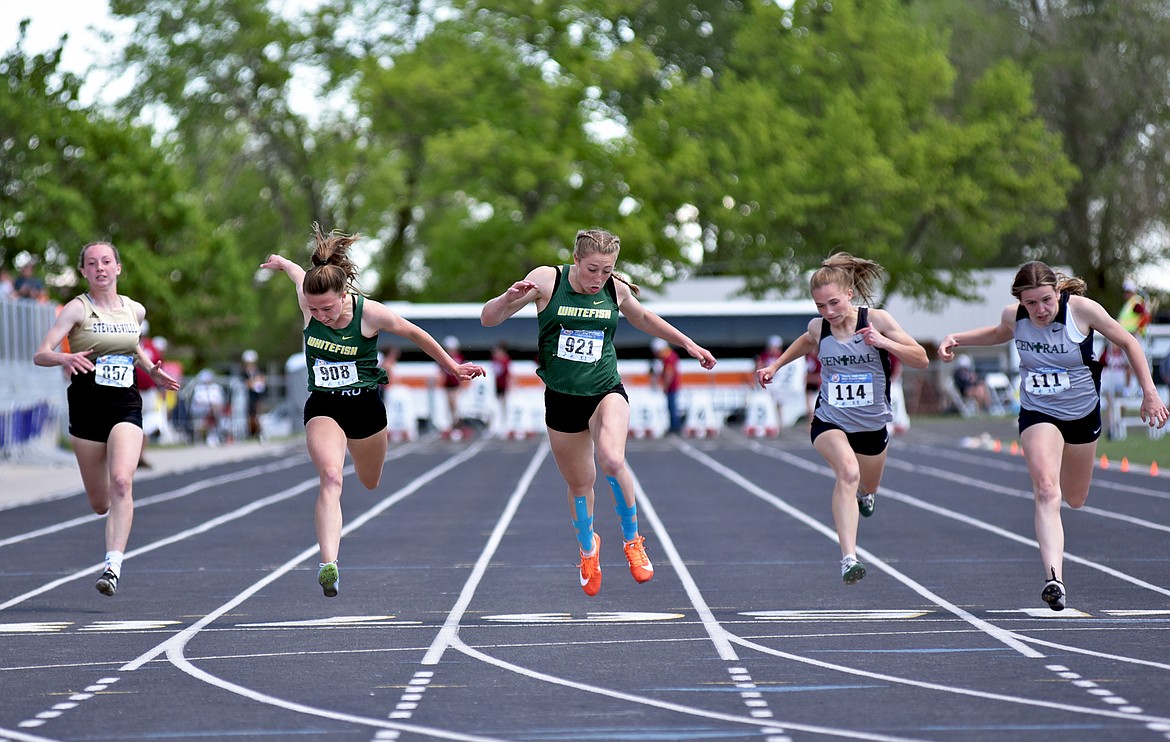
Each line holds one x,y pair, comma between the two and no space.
586,409
344,410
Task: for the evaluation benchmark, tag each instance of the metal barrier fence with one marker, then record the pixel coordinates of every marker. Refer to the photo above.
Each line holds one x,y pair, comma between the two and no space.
32,399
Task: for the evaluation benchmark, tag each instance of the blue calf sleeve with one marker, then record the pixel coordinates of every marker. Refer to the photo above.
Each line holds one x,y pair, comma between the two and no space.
627,514
583,523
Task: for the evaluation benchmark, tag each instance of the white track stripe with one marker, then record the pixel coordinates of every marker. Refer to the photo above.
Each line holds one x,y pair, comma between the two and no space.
155,499
991,630
966,519
949,688
181,638
1018,493
710,623
458,645
450,627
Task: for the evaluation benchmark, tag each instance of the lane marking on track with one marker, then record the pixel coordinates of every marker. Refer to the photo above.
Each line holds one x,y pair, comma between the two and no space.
127,625
868,557
1019,700
1043,612
836,615
175,646
954,515
458,645
183,535
76,699
1021,494
451,624
44,627
599,617
342,622
992,462
190,489
1017,640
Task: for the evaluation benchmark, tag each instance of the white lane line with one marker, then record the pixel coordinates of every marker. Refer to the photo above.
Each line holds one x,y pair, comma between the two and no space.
15,736
190,489
458,645
1053,705
174,647
965,519
1021,494
183,535
1003,464
710,623
450,627
991,630
181,638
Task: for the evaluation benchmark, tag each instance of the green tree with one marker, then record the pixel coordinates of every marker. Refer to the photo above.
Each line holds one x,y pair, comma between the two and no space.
73,175
1102,72
837,128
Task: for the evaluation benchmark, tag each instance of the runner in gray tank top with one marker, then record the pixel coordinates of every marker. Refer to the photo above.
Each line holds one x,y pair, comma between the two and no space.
587,412
849,426
1052,325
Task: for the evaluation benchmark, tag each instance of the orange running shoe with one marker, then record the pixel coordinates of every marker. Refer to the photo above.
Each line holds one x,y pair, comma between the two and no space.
591,569
640,566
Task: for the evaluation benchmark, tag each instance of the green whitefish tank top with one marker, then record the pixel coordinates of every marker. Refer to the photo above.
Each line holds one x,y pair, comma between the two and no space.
340,358
576,339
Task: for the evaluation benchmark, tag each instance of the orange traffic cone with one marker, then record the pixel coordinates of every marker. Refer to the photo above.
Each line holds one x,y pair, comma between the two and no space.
1154,469
1125,463
997,446
1104,461
1015,448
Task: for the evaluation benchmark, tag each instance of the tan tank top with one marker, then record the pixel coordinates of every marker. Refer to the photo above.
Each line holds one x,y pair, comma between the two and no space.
106,332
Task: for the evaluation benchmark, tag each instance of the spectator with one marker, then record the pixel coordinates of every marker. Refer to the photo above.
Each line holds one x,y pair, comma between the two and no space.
772,351
1114,383
257,385
812,382
970,384
7,287
452,384
502,372
1135,317
664,371
387,360
148,389
207,402
28,285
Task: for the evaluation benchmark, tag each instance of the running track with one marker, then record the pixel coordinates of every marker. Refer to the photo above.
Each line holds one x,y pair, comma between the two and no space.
460,617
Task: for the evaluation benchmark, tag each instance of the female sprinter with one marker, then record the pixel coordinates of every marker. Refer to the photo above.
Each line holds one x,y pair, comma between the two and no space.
344,410
587,411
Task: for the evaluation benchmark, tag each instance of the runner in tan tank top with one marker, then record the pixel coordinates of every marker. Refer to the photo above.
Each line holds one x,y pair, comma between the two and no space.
105,408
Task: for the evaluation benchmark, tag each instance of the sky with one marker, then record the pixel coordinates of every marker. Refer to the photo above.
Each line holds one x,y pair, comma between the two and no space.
84,19
50,19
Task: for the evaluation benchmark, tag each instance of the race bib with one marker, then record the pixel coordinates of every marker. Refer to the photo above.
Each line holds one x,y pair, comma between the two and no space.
1047,381
114,370
850,390
583,346
328,375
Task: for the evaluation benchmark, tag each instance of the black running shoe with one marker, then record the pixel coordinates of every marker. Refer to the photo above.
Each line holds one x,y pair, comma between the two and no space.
1053,593
107,584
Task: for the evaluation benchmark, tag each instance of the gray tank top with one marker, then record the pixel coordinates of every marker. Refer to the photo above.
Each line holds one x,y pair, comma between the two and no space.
855,390
1058,375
